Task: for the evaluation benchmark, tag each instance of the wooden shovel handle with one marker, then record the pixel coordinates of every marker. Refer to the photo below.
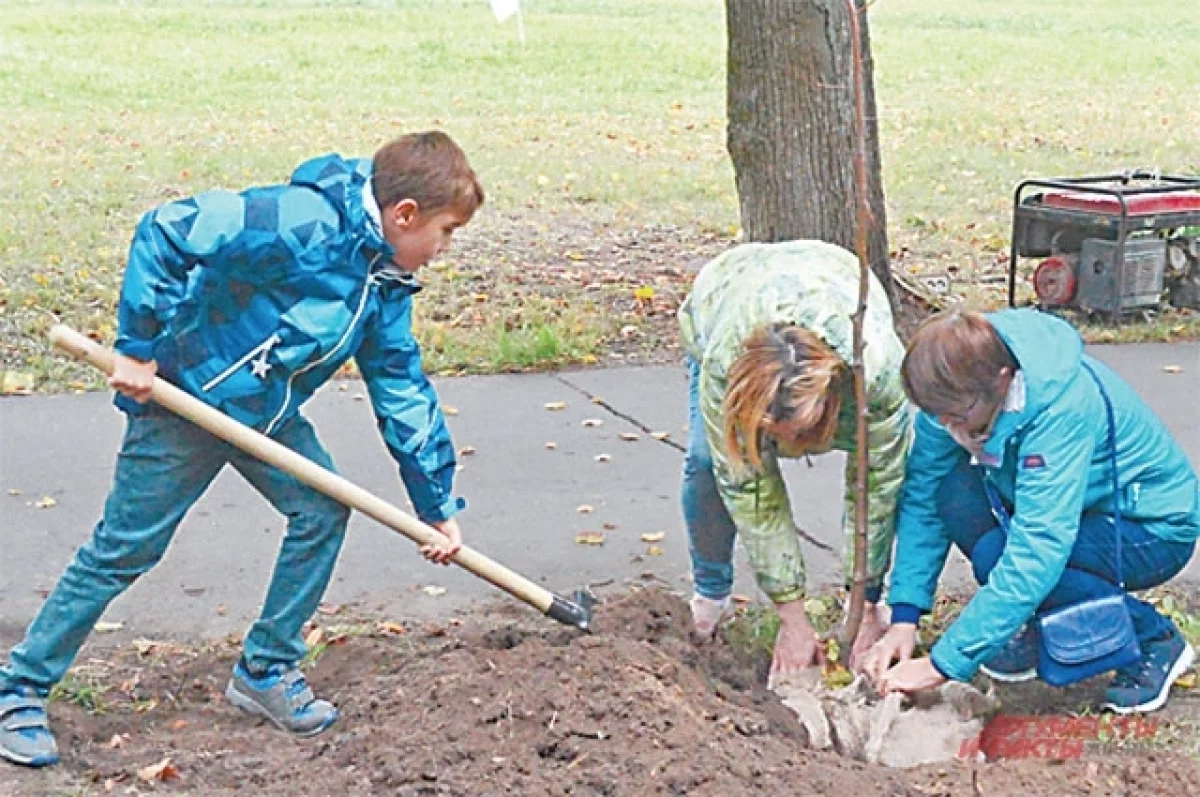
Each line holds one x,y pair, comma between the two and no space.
331,484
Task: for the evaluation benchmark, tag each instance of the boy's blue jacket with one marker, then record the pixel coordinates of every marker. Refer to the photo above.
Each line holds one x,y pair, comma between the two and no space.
1050,462
251,301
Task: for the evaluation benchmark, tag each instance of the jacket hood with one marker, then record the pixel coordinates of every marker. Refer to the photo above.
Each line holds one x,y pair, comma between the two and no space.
342,182
1049,353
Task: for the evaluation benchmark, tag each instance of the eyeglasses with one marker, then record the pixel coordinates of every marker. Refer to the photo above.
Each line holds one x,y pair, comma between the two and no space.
965,417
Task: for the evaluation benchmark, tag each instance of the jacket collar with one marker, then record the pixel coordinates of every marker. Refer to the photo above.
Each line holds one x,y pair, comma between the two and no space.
374,218
1011,418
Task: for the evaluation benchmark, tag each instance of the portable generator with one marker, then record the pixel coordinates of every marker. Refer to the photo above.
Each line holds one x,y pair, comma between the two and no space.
1109,243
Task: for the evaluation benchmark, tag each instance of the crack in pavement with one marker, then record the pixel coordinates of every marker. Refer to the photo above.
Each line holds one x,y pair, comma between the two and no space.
599,402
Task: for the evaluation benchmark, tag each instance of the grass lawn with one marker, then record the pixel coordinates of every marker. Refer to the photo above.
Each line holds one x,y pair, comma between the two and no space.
600,142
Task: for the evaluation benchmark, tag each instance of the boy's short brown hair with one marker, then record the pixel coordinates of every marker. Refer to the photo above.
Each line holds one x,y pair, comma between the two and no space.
428,168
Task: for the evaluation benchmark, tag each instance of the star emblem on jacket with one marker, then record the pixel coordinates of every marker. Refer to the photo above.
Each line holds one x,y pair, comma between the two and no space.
260,366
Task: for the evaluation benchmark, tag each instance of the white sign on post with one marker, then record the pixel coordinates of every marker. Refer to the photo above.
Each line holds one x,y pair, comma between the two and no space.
503,9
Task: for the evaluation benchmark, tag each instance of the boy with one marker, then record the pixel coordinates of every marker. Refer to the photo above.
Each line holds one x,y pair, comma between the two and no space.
250,302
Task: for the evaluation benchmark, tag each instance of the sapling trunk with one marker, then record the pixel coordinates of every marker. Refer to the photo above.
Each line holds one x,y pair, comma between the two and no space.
858,590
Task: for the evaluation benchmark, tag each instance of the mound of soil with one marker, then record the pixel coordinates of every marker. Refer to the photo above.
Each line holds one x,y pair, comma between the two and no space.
503,703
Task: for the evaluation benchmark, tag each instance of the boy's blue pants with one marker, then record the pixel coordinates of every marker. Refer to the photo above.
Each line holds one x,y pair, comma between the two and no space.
165,464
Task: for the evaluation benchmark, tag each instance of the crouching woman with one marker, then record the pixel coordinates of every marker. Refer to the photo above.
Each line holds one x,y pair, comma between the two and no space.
1057,482
768,331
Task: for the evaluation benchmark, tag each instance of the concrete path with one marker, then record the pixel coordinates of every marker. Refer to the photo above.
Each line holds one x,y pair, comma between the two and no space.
524,497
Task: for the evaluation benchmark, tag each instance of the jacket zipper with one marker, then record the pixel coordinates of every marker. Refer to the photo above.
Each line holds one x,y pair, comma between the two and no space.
287,393
261,350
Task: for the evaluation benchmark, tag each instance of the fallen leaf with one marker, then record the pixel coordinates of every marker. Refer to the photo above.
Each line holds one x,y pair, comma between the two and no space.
162,771
629,437
591,423
392,628
603,458
46,503
610,526
179,725
448,410
654,536
466,451
433,591
660,435
655,550
1173,369
14,492
554,406
644,293
836,676
343,388
1186,681
360,397
16,383
107,628
314,637
597,400
222,609
330,609
590,538
116,741
144,646
584,509
551,445
740,598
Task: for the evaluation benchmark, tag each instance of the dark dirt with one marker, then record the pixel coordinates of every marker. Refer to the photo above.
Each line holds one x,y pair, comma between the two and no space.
502,702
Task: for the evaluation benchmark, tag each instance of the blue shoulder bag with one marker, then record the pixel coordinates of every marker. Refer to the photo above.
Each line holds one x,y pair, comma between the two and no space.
1085,639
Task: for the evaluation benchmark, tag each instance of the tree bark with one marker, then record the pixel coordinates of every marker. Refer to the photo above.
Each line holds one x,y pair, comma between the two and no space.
791,131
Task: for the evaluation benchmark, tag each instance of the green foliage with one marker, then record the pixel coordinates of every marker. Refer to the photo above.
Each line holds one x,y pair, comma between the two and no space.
612,110
82,691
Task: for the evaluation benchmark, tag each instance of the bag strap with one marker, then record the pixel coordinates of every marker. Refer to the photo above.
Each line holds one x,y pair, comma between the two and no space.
1000,512
1116,487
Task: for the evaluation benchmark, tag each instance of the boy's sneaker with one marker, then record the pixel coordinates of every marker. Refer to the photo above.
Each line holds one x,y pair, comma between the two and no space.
1016,662
1145,686
706,615
25,736
282,696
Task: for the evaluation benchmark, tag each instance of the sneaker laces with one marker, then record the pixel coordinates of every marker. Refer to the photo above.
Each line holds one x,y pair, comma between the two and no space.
1136,675
296,689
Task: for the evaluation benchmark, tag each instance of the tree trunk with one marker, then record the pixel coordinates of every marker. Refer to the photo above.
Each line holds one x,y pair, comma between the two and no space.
792,130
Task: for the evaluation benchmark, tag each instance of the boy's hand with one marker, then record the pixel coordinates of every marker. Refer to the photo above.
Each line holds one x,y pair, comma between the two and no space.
133,378
441,553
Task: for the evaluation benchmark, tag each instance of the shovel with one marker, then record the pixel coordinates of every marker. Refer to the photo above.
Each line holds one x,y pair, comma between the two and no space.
575,613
